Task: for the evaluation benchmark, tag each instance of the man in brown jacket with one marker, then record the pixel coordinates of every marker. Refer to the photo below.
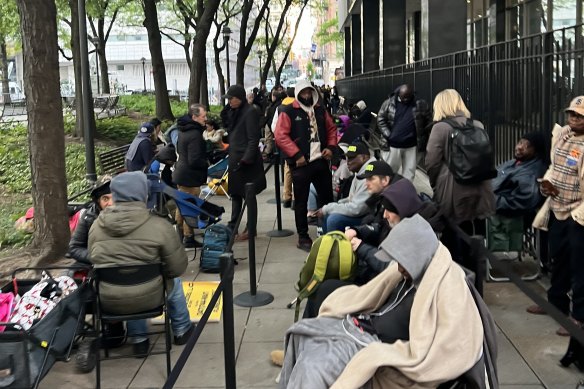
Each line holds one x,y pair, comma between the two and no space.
127,233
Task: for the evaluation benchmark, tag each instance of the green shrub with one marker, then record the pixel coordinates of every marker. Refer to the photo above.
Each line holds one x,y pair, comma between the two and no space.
10,211
119,129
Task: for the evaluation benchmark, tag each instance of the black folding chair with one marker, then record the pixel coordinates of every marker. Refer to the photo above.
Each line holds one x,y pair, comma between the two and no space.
128,275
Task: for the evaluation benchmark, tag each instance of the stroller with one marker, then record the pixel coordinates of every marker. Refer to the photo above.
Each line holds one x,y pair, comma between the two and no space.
218,173
26,356
196,212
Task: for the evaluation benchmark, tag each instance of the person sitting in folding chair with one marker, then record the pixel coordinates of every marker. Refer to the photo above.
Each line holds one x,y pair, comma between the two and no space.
127,233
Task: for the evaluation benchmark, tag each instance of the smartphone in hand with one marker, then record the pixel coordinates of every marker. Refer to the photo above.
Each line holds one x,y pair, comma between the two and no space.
547,187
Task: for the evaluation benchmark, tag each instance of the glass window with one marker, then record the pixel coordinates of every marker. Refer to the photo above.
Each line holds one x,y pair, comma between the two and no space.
120,67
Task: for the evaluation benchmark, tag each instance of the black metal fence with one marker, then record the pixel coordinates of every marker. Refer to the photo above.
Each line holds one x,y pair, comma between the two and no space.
512,87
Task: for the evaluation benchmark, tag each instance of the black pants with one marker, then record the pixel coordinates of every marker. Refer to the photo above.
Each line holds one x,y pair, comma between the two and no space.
236,206
566,245
318,174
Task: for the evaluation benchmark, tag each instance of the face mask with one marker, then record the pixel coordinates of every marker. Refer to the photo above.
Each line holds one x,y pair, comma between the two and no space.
306,102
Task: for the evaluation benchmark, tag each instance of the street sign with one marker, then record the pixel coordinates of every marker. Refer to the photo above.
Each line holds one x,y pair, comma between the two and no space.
313,48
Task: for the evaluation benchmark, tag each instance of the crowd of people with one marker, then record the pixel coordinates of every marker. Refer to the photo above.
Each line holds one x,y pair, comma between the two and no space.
410,302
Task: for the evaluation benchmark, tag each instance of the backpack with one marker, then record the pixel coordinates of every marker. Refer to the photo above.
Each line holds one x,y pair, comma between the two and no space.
215,240
331,257
471,159
171,135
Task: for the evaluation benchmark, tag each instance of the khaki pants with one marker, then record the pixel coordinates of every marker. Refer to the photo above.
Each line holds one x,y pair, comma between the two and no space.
195,191
287,196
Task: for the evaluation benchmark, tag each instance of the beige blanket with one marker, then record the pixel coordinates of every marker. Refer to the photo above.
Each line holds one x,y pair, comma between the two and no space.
446,334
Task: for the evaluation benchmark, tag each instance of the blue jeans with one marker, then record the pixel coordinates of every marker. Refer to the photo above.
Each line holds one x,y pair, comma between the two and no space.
338,222
178,314
312,199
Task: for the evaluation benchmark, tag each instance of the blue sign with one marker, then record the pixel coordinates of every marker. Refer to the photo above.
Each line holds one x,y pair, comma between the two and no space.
313,48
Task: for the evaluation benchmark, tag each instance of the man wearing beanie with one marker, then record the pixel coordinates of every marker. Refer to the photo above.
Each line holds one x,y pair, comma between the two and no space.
245,159
515,187
127,233
141,149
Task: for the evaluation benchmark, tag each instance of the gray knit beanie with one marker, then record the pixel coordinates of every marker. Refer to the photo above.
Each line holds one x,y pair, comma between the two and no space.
131,186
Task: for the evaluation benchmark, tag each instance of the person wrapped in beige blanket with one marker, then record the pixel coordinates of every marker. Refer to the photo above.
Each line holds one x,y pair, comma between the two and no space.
415,325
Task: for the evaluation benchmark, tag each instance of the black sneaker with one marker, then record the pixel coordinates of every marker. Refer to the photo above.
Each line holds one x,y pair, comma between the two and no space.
141,349
312,220
183,339
287,203
304,243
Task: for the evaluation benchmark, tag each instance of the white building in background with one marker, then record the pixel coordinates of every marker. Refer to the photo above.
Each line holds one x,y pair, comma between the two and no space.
126,72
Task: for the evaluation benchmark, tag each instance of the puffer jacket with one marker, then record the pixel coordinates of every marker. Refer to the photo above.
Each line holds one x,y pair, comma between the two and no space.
190,169
422,118
78,244
127,233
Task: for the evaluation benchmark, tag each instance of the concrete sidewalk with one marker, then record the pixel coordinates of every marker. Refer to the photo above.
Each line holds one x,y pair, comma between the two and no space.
529,349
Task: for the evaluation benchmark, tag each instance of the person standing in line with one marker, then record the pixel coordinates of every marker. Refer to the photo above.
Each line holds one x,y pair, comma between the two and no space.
190,171
245,159
563,216
402,120
307,136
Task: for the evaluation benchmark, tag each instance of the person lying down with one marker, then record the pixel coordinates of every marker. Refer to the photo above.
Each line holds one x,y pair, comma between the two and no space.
414,325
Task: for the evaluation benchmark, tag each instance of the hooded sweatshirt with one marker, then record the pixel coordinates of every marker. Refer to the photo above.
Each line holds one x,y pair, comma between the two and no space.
299,125
355,205
127,233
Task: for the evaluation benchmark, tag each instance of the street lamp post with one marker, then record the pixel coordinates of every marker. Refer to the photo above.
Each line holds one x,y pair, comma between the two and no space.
143,60
226,34
95,41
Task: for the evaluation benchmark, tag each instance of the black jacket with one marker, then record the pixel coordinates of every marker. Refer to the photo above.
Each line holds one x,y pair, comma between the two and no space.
245,159
191,168
78,244
422,118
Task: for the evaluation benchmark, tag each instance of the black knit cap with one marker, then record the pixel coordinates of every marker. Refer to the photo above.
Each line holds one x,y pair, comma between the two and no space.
537,140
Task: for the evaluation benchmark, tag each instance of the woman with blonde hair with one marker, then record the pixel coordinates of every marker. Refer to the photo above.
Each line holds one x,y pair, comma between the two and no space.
462,203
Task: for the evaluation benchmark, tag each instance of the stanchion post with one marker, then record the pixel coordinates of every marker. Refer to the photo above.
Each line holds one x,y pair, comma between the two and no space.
227,272
279,233
253,298
252,221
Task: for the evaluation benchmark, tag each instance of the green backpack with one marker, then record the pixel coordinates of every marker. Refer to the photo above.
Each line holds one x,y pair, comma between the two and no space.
331,257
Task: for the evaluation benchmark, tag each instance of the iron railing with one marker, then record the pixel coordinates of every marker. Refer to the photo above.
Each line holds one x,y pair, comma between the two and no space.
513,87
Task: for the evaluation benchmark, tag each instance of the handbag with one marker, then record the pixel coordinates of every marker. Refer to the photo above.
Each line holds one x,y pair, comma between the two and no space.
6,305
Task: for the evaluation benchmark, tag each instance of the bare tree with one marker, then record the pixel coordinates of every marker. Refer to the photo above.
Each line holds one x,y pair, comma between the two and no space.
97,10
202,19
229,10
245,42
273,39
38,21
289,47
163,109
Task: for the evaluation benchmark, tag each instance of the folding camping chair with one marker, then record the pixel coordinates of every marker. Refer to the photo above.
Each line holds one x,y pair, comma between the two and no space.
218,175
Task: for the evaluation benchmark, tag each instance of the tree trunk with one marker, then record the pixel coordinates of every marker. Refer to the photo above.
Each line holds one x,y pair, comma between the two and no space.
246,44
205,87
103,69
4,70
76,67
163,110
217,51
271,49
199,50
289,48
38,21
103,72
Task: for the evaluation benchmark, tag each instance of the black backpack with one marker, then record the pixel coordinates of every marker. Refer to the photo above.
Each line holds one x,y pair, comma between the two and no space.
471,159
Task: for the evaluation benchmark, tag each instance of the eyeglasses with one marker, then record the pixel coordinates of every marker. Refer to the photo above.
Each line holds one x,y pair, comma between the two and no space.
575,115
